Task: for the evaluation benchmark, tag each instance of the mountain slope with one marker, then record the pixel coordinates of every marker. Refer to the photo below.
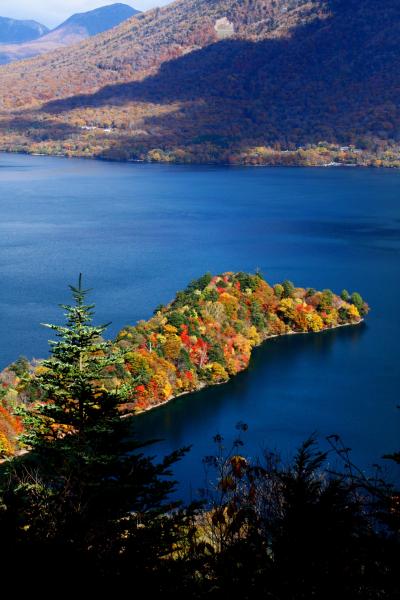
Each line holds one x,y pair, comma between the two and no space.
75,29
254,81
14,31
100,19
140,45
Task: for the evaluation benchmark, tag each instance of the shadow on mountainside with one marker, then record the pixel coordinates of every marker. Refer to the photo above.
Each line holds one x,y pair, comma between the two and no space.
335,79
39,130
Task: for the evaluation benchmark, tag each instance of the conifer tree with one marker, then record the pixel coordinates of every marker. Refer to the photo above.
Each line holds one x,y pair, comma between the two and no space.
85,488
76,395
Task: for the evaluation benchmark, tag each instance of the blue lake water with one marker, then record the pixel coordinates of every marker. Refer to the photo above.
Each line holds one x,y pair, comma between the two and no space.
139,233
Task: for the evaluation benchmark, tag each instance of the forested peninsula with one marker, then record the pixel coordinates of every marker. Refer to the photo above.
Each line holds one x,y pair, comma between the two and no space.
203,337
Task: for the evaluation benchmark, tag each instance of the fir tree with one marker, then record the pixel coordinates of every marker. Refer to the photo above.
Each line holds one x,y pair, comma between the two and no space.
76,395
85,493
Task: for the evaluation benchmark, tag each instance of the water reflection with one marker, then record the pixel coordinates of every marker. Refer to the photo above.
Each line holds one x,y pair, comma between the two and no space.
275,356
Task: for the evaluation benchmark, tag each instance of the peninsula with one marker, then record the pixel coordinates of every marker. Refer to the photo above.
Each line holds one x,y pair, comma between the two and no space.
203,337
207,334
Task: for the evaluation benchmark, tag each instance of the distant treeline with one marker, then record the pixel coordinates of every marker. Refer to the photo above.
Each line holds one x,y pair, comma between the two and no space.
288,83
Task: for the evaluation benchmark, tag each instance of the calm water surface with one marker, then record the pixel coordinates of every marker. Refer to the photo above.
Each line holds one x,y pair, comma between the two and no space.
141,232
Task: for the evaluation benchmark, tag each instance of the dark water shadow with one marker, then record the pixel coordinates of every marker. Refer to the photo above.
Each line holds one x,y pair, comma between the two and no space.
271,360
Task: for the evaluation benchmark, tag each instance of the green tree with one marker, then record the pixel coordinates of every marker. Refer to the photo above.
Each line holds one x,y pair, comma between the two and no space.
85,494
21,366
357,300
76,396
288,289
345,295
326,299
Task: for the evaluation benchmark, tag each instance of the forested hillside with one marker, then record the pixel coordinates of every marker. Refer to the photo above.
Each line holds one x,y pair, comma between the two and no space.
247,81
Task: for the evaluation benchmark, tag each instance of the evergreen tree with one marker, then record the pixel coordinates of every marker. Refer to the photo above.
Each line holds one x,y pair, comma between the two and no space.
75,388
85,494
345,295
288,289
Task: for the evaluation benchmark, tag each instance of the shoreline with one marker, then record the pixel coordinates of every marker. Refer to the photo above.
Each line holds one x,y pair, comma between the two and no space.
199,164
204,385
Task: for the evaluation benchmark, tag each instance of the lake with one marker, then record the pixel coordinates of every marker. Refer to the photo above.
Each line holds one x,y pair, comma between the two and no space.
141,232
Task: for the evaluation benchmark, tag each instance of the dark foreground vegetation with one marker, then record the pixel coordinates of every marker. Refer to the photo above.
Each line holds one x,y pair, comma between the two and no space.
85,506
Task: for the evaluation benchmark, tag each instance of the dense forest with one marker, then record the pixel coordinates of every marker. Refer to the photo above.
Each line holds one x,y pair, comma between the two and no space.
84,506
290,82
204,337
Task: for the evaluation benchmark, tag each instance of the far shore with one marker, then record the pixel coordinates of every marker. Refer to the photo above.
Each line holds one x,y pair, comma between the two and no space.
130,161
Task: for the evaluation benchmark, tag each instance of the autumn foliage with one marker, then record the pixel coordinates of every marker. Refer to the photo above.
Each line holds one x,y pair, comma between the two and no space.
207,334
289,82
10,424
203,337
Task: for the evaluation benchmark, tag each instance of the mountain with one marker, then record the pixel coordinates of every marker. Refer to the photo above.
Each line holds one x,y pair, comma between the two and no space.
239,81
98,20
75,29
13,31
